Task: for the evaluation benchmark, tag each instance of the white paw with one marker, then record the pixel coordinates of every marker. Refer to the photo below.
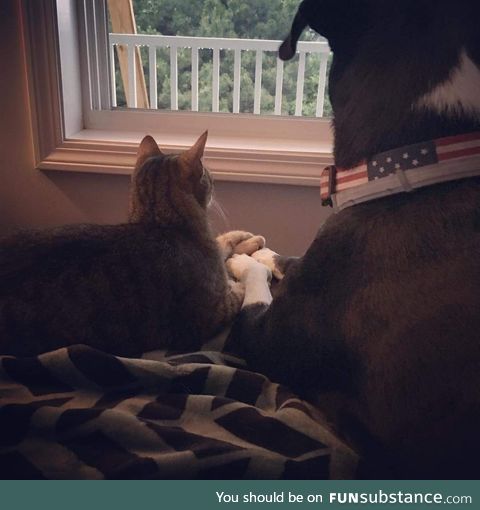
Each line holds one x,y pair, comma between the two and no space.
268,258
242,266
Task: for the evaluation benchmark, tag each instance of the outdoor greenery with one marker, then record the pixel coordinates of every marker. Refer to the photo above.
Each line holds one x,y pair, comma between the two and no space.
245,19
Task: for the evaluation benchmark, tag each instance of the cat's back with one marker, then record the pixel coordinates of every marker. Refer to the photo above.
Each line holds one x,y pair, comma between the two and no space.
50,251
111,287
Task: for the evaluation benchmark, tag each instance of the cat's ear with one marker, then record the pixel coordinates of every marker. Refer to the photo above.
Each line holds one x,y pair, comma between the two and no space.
148,149
195,153
192,159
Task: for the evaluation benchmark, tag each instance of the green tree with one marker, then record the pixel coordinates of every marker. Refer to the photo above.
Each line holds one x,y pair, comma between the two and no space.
216,20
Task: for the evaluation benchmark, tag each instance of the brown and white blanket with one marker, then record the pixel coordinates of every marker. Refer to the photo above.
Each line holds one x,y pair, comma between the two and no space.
80,413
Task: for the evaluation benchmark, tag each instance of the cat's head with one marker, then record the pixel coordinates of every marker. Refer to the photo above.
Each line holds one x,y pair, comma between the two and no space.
164,185
400,68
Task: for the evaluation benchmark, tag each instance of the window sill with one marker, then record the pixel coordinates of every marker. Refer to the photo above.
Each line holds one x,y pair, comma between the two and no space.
228,158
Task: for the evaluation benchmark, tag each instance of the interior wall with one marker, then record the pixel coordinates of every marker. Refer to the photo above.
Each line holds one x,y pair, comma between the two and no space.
288,216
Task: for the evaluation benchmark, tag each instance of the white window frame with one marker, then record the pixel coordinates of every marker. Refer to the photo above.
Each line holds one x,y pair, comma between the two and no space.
76,130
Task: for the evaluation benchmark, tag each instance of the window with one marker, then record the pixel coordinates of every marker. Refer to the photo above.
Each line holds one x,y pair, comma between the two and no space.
107,89
214,56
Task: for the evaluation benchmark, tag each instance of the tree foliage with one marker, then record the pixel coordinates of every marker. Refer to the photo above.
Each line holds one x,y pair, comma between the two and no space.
244,19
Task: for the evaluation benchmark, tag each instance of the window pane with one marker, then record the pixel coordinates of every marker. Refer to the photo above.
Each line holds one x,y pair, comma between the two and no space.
235,71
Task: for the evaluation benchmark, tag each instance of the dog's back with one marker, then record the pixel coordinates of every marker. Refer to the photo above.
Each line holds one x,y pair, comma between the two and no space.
381,319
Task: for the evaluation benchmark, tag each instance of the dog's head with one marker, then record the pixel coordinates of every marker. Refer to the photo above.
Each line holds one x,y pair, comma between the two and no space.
402,70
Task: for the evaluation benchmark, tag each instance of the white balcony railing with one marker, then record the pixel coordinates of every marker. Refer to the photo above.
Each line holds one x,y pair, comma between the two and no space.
195,44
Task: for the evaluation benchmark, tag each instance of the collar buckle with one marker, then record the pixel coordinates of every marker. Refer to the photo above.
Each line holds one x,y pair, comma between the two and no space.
329,176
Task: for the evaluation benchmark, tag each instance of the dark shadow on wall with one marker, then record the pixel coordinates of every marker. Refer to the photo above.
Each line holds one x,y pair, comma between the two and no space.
99,198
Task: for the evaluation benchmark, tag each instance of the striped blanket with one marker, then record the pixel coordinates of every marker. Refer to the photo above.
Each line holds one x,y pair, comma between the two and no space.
78,413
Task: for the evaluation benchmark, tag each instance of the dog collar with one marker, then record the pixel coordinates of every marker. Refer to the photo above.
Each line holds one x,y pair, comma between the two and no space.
402,170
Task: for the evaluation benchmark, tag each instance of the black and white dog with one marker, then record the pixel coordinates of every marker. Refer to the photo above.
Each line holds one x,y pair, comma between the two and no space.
379,321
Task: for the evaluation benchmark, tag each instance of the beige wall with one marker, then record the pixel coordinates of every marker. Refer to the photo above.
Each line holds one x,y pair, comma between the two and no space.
288,216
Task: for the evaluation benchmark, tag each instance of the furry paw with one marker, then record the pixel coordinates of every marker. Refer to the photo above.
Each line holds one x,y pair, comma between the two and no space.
250,246
242,266
238,241
269,258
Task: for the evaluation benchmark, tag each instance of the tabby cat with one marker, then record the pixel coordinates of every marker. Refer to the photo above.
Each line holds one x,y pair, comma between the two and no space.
158,281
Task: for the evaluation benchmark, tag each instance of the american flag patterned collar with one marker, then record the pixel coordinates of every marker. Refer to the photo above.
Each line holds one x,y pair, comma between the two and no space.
402,169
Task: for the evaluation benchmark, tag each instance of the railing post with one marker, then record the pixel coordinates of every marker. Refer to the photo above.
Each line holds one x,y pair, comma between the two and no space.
258,82
152,74
236,80
300,83
279,88
113,78
132,77
216,80
173,78
194,79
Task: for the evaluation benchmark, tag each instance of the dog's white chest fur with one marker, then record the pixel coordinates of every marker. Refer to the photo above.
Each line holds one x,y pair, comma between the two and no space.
460,94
